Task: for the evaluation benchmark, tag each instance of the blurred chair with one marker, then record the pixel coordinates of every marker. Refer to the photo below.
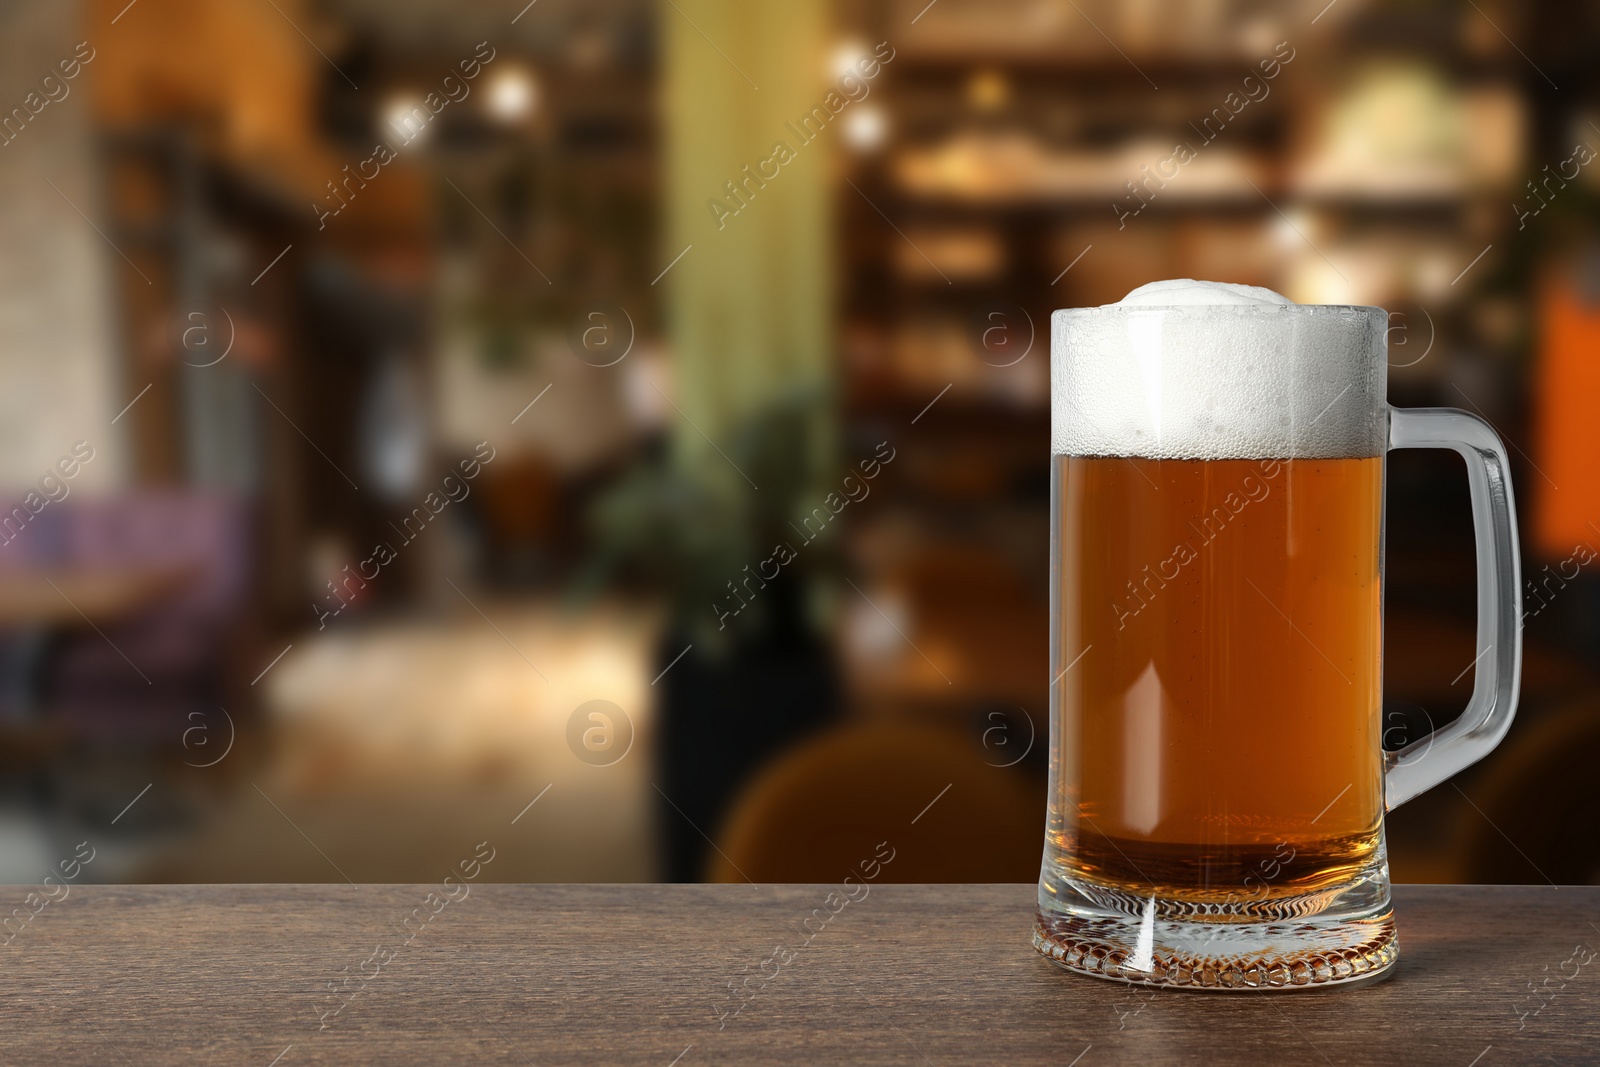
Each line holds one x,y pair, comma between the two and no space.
143,673
818,811
23,648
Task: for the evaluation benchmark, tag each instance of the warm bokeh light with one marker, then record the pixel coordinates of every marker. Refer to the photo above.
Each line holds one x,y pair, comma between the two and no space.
513,94
866,128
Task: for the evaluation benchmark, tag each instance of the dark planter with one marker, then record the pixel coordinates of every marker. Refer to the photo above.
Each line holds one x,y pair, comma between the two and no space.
723,717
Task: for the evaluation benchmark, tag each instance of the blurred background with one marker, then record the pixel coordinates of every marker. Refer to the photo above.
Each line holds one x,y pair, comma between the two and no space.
619,430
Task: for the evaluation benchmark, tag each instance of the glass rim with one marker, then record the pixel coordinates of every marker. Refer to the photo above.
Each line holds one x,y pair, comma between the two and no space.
1239,309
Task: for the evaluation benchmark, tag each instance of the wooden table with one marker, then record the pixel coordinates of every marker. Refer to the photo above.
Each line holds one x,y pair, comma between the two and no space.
637,974
70,596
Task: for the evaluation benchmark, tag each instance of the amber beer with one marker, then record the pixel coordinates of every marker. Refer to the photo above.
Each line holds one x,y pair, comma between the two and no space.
1217,735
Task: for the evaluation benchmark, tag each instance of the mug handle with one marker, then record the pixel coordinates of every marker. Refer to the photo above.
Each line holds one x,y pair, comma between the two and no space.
1497,677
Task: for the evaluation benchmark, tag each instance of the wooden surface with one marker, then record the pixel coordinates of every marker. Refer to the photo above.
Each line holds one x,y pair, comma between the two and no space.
237,975
73,596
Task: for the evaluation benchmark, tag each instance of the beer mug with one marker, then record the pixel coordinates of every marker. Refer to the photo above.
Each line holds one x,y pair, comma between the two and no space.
1217,775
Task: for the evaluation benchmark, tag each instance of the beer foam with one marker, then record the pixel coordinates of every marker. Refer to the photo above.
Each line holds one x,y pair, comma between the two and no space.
1186,369
1186,292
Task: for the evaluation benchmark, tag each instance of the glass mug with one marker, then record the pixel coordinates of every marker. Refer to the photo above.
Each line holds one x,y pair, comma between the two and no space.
1217,775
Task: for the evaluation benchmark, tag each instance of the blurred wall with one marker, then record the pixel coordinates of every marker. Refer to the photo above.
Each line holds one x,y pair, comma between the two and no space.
56,306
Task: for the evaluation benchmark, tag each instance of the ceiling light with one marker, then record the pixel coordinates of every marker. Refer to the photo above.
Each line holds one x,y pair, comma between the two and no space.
406,118
865,127
512,94
847,58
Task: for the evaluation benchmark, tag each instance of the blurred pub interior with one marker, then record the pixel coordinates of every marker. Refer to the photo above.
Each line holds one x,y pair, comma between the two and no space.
528,299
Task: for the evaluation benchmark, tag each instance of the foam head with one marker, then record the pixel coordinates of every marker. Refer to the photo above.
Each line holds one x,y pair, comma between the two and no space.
1207,370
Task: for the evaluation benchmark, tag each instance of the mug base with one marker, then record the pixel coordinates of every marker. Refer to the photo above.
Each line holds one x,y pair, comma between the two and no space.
1308,953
